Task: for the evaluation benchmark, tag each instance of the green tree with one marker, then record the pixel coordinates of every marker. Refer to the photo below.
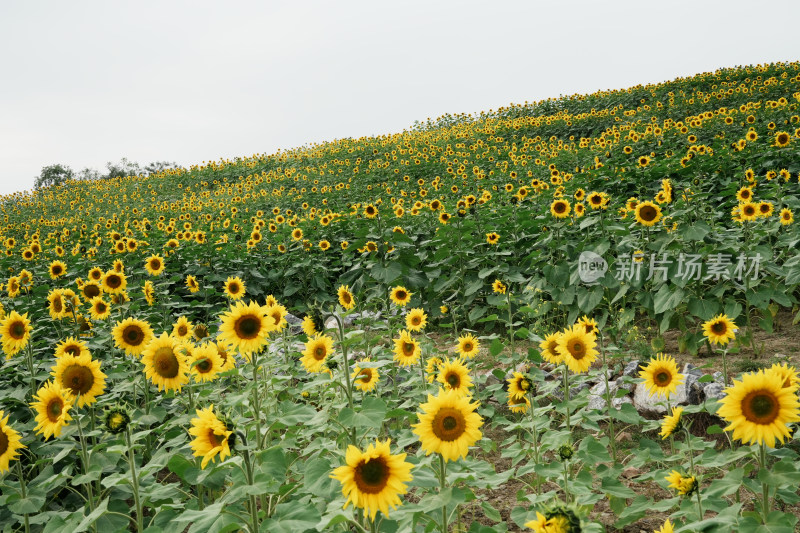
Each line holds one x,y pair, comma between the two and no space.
53,175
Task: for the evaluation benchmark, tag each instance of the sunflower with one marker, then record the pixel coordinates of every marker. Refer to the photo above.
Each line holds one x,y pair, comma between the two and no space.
114,282
745,194
116,420
782,139
373,479
577,348
71,347
346,299
96,274
317,350
57,269
454,376
309,328
246,328
99,309
765,209
205,362
519,385
549,349
685,485
492,238
234,288
595,200
666,528
647,213
278,314
400,296
468,346
518,405
370,211
55,305
182,328
81,376
448,425
154,265
499,287
91,289
191,284
9,443
590,324
661,376
149,292
13,287
787,373
759,408
416,319
228,361
560,208
671,423
52,407
787,217
15,332
406,349
132,335
364,379
297,234
166,363
720,329
212,437
748,211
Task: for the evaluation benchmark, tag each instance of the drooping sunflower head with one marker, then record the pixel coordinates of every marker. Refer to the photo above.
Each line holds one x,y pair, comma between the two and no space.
346,299
132,335
81,376
317,350
56,306
671,423
400,296
416,319
454,376
499,287
590,324
519,385
577,348
759,408
468,346
191,284
788,374
165,361
448,425
720,329
277,313
661,376
557,518
684,485
212,437
374,479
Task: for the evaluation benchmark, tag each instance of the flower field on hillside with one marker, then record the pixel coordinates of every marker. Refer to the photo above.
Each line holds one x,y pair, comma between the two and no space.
384,333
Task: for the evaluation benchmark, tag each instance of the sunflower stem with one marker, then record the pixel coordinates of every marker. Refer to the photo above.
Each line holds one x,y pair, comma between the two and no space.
134,481
248,463
85,461
24,494
566,396
611,432
567,496
29,358
442,486
694,473
725,366
510,322
765,506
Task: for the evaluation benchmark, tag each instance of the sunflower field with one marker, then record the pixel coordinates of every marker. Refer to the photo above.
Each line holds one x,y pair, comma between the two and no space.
452,328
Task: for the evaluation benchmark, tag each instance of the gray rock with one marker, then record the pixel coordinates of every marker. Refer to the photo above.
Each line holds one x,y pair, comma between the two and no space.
714,391
295,324
574,390
622,384
655,406
718,377
689,368
631,369
617,402
694,389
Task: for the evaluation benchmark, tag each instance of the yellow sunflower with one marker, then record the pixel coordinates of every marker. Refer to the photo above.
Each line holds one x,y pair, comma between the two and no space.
400,296
745,194
71,346
499,287
13,287
234,288
492,238
166,363
432,369
154,265
91,289
661,376
278,314
246,328
787,217
759,408
191,284
365,379
309,328
99,308
373,479
577,348
212,437
96,274
549,349
519,385
518,405
81,376
454,376
416,319
182,328
149,292
748,211
590,324
9,443
205,362
114,282
684,485
55,305
317,350
57,269
346,297
15,332
52,407
666,528
560,208
228,361
720,329
406,349
647,213
787,373
671,423
468,346
132,335
448,425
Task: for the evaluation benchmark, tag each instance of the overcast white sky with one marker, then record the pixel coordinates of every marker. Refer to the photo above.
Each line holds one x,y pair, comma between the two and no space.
86,82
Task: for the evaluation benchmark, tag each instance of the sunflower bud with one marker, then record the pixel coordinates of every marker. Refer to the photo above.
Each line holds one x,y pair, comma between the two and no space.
117,420
565,452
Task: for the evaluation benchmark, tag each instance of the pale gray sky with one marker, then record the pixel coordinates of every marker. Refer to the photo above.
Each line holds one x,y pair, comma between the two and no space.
86,82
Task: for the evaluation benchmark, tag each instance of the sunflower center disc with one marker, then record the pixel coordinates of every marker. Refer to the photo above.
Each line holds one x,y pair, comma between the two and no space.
662,378
133,335
408,348
578,350
57,306
113,281
453,380
647,213
182,331
467,346
371,477
3,442
72,350
54,410
203,366
319,353
718,328
91,291
760,407
165,363
449,424
78,378
212,439
247,327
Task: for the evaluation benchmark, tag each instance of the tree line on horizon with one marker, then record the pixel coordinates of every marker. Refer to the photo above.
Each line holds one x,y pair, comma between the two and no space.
58,173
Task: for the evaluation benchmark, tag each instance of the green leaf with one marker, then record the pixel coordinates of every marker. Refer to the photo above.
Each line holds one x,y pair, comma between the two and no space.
371,414
92,517
491,513
292,517
613,487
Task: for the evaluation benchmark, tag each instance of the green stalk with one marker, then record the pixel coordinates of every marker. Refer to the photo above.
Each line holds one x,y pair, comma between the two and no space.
567,495
249,473
694,473
566,395
765,506
255,398
134,481
24,493
442,486
85,460
611,432
510,321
